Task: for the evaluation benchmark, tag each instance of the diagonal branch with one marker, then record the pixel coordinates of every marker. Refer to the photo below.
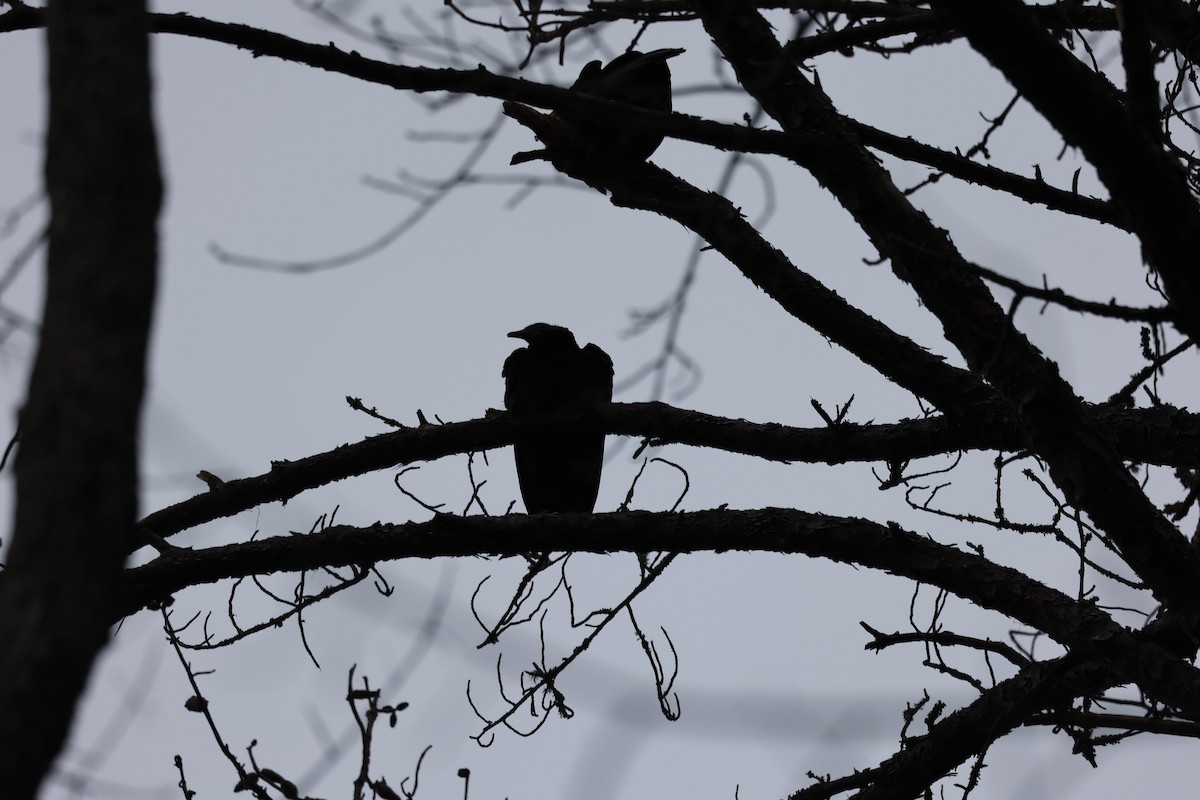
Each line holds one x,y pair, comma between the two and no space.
926,759
721,224
1088,112
1031,190
1081,459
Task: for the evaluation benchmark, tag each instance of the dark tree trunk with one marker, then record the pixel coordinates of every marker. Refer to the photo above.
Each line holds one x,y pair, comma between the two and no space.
76,466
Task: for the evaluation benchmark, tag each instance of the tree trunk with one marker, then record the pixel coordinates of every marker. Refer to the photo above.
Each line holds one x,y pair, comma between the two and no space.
77,477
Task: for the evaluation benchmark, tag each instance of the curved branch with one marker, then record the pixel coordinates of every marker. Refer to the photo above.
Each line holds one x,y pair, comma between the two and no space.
843,539
1083,627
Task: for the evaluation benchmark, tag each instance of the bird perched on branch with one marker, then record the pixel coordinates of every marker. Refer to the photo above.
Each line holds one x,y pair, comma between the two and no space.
558,471
640,79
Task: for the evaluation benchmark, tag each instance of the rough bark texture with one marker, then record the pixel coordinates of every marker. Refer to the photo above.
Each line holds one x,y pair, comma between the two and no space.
76,468
1080,457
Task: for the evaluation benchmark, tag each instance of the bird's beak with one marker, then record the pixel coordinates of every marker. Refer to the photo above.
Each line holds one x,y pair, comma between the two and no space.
521,334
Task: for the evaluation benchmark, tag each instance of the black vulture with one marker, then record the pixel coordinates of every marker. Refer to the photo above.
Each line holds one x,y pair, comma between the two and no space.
640,79
557,471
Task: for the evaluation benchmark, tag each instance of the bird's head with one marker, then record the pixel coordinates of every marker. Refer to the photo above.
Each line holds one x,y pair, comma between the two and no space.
541,334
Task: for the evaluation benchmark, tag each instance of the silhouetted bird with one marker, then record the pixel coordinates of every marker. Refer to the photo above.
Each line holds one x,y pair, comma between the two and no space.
557,471
640,79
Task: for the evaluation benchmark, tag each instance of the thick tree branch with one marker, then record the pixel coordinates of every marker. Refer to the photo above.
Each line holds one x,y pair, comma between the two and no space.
1175,26
1081,459
1086,110
714,218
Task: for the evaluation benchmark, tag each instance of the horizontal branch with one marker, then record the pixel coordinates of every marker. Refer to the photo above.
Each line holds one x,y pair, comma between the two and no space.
1120,722
479,81
1159,435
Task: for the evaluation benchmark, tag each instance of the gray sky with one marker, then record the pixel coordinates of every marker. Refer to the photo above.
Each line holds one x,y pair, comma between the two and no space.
267,158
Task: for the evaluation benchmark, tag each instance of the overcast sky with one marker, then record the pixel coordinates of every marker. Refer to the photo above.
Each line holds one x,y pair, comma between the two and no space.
267,159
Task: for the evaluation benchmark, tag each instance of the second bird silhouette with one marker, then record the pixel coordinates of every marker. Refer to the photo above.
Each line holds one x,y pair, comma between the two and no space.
553,375
640,79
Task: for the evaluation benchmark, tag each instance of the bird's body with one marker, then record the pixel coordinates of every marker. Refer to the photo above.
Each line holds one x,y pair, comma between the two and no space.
640,79
553,375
